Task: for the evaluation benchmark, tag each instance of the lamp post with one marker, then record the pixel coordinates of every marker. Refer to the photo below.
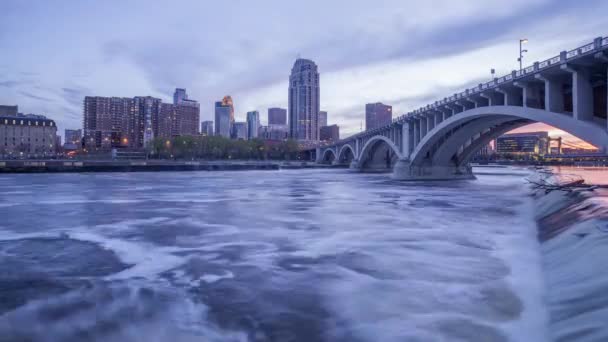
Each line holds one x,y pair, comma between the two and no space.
521,53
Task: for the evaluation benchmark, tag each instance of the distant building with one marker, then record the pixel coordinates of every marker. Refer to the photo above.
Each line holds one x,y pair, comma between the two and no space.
377,115
330,133
72,139
178,120
223,125
240,130
179,95
253,124
58,147
274,132
322,119
148,109
304,101
532,143
112,122
277,116
207,128
227,101
8,110
27,134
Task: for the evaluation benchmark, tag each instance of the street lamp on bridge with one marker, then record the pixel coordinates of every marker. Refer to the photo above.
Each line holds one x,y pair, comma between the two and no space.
521,53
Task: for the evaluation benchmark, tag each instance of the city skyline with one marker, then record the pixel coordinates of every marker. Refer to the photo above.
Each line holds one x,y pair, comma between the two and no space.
384,71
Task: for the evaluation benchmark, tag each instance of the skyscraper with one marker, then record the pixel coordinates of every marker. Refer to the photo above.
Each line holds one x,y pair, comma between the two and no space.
253,124
179,95
222,119
227,101
377,115
207,128
240,130
304,101
322,119
277,116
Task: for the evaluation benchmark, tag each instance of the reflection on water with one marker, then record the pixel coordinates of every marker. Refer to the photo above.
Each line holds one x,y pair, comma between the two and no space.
298,255
597,175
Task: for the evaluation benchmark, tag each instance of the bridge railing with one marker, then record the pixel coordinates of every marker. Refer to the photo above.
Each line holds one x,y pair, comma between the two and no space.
564,56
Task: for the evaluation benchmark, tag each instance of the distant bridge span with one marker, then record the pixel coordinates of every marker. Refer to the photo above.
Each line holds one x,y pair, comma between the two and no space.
437,141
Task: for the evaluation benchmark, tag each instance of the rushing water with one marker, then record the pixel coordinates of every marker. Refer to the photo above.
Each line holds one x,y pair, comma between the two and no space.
298,255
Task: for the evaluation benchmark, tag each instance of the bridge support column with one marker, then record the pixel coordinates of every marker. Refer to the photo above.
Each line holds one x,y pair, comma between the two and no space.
513,96
318,155
554,98
494,99
406,139
354,164
404,170
423,127
582,93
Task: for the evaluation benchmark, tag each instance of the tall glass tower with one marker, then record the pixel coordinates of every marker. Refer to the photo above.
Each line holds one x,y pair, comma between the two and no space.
304,101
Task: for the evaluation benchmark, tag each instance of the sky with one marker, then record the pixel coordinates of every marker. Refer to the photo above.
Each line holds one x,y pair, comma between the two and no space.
399,52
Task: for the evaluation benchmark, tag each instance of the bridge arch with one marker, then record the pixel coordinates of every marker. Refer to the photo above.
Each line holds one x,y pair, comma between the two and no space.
378,154
346,154
446,144
329,156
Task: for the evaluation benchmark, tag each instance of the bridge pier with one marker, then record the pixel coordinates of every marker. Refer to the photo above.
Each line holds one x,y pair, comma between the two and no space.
403,170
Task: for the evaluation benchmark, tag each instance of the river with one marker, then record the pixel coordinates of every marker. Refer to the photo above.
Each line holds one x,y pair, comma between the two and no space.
291,255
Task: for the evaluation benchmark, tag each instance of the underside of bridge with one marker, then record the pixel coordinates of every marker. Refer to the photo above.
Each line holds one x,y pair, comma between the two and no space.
379,156
328,157
346,155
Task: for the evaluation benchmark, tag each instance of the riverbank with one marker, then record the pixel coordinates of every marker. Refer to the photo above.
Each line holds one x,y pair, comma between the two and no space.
573,232
61,166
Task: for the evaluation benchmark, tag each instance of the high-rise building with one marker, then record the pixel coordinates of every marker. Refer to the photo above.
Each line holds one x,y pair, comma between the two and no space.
277,116
179,95
72,139
330,133
111,121
133,122
27,134
222,119
377,115
207,128
253,124
304,95
322,119
227,101
178,119
148,109
240,130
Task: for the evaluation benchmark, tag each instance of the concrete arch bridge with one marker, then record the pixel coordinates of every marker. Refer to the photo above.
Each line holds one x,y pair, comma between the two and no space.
568,91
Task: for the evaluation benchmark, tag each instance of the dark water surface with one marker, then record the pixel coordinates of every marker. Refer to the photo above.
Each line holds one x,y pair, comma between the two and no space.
298,255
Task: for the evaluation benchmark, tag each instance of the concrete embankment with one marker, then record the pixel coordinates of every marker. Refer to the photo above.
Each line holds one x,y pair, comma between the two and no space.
27,166
51,166
573,231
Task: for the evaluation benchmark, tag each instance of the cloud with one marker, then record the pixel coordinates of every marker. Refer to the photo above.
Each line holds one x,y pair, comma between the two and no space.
8,84
35,97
